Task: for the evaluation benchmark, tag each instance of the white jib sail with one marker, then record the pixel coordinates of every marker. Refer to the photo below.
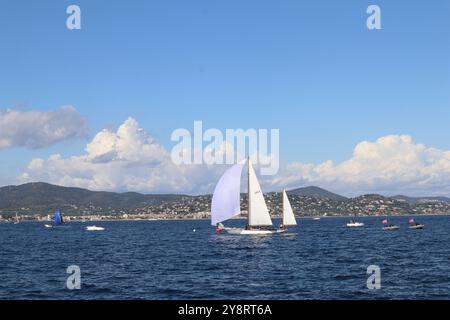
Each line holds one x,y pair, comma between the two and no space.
226,201
288,214
258,214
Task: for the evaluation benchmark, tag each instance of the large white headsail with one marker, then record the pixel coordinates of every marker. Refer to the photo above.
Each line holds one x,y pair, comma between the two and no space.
226,201
258,214
288,214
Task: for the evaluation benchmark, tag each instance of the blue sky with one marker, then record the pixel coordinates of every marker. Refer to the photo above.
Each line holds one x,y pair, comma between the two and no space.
310,68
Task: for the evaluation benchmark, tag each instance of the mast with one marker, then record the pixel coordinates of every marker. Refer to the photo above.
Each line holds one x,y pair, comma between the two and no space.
283,204
248,191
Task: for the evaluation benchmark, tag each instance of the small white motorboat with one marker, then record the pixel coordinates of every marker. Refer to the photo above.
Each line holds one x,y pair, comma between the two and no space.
94,228
414,225
354,224
316,218
48,226
391,227
387,226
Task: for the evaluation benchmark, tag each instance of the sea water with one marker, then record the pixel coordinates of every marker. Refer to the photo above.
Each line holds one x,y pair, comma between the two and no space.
168,260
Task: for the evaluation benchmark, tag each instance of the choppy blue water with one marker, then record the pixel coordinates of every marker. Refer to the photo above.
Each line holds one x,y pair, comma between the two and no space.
167,260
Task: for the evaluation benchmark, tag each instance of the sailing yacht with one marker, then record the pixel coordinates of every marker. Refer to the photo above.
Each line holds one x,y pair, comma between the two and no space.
226,203
17,219
288,217
57,218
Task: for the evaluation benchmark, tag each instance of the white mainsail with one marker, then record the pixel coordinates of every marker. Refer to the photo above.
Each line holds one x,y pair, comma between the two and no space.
258,214
288,214
226,201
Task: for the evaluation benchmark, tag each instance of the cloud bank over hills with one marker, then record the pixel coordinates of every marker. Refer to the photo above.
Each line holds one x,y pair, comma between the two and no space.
129,159
392,164
126,160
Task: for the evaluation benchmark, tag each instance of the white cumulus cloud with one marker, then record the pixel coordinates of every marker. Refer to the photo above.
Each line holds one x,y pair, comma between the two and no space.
126,160
37,129
392,164
129,159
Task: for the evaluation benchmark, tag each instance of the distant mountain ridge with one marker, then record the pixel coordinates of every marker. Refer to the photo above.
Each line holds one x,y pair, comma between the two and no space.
316,192
43,198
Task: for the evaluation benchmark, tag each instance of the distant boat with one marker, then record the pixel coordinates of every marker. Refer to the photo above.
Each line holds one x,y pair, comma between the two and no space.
17,219
391,228
94,228
414,225
58,218
354,224
316,218
388,226
226,203
288,217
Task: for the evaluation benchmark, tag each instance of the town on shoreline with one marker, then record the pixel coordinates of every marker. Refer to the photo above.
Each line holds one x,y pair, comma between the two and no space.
38,201
198,207
112,218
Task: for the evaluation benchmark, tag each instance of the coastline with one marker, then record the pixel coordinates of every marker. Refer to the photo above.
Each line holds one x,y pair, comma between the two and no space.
238,218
